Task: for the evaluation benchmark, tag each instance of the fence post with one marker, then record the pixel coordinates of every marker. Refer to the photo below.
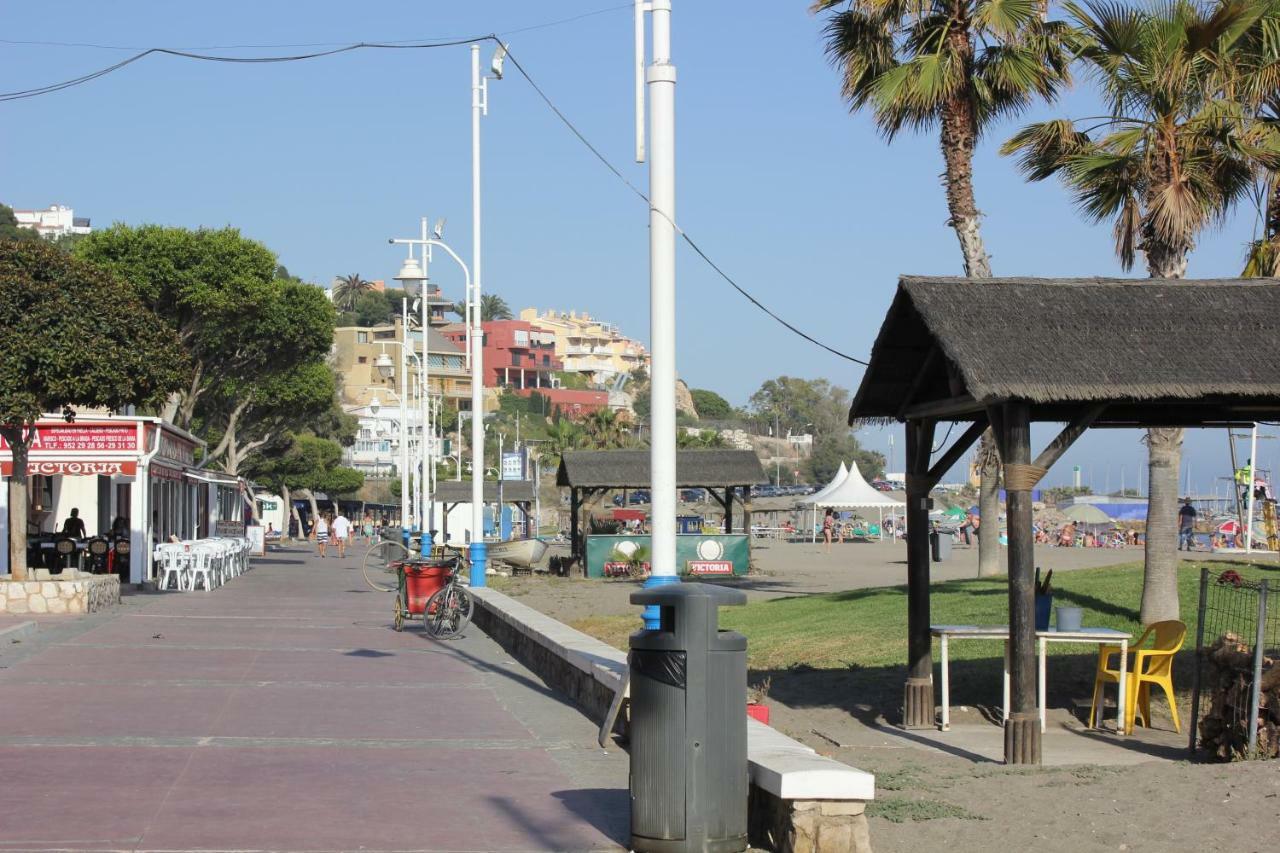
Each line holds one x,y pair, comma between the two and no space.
1255,694
1195,677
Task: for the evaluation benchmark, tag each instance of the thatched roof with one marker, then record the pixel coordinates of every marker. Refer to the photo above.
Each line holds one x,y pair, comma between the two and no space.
629,469
459,491
1178,352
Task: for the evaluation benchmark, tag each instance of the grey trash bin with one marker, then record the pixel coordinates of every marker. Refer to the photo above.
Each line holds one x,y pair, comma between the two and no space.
688,724
940,543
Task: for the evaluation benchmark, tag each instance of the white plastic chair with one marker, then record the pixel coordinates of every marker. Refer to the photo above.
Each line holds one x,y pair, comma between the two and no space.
173,566
203,565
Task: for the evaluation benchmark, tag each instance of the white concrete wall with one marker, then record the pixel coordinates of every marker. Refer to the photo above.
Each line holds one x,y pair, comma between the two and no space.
79,492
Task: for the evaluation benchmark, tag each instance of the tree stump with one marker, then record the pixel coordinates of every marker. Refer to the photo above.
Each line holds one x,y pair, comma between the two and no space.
918,710
1022,738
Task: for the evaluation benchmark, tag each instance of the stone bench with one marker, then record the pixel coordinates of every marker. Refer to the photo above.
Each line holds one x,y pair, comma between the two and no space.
800,801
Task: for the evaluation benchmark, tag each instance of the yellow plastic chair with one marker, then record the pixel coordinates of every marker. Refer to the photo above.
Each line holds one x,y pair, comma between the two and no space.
1150,666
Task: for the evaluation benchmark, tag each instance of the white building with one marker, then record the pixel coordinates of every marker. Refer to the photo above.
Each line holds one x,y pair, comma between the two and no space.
58,221
376,451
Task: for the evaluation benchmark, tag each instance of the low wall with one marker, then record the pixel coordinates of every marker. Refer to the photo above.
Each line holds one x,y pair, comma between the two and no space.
69,592
800,802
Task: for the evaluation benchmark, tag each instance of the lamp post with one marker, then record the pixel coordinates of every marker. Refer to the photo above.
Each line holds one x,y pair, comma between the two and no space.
477,398
386,369
413,279
660,79
475,332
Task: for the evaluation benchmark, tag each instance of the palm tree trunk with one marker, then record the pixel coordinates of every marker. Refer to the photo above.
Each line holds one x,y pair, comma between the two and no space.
1160,576
988,508
959,136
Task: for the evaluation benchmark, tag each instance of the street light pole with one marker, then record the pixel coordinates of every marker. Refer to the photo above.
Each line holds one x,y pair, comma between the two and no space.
475,332
660,78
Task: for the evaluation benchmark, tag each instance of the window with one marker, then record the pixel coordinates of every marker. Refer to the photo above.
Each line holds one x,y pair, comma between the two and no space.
522,338
546,362
362,338
515,359
363,359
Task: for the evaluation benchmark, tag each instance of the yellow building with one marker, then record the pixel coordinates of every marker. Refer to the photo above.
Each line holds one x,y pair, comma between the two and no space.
589,346
355,354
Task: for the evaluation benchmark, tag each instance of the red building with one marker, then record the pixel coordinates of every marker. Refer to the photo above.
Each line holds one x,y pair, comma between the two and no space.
516,355
574,403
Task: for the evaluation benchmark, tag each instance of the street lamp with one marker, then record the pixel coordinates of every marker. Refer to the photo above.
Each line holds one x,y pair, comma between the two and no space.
384,365
477,398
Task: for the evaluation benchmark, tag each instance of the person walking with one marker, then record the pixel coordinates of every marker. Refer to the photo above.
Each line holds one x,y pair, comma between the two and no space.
1187,526
341,528
321,532
828,522
366,526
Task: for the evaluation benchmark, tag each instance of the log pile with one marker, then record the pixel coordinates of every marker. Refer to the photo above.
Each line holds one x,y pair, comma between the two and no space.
1228,686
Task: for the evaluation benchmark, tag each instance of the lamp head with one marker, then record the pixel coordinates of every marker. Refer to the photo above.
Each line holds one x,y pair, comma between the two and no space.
438,231
411,277
385,367
374,405
499,56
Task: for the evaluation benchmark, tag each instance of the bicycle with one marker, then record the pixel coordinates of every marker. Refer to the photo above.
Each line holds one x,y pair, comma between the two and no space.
380,562
449,610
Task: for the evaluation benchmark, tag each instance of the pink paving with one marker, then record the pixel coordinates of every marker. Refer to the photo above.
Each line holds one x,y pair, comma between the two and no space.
281,712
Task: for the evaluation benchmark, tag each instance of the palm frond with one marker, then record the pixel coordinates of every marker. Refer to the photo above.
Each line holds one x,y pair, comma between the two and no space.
1045,148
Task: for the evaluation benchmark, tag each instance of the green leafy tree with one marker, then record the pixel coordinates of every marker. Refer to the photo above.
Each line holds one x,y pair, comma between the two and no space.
563,435
494,307
604,430
1173,156
710,404
71,335
374,309
349,288
1259,55
10,230
788,403
832,449
703,438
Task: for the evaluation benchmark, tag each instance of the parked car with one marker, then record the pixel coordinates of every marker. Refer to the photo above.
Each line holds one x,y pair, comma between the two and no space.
693,495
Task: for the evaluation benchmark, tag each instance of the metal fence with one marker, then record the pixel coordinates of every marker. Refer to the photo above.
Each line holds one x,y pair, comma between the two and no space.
1238,632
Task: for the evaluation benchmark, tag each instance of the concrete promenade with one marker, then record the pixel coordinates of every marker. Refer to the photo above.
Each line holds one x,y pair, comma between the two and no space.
281,712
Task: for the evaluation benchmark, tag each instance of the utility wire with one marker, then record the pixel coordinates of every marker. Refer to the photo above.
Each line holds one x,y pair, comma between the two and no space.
260,60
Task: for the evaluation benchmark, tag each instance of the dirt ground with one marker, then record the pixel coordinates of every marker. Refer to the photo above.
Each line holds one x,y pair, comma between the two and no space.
939,791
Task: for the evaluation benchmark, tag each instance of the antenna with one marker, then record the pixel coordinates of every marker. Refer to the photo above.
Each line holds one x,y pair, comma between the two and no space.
641,8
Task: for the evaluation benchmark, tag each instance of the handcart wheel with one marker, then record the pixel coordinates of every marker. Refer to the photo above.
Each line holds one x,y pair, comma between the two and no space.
399,622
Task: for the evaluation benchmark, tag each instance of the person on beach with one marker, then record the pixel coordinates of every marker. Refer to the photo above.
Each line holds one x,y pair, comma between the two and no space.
1187,526
828,522
367,526
321,532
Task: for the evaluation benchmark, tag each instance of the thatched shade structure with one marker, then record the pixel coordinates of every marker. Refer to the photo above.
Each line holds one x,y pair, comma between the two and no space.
590,474
450,493
1085,352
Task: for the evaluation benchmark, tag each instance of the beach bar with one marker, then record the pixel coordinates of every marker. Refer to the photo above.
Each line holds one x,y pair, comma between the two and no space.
131,478
1002,354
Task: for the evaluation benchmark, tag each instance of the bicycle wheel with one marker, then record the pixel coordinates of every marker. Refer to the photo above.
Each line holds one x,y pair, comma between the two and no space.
379,566
448,612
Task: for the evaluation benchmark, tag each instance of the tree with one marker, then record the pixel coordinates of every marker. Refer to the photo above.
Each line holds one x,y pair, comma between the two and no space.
604,430
11,230
1261,51
959,66
70,335
563,435
831,449
347,289
801,406
710,404
494,307
1173,156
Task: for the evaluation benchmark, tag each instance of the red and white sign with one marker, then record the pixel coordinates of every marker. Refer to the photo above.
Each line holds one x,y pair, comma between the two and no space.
73,469
710,567
84,437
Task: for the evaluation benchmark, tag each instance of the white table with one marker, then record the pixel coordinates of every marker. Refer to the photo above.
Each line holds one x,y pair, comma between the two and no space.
1096,636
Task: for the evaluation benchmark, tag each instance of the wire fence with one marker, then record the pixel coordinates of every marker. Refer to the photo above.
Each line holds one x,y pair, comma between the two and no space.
1236,678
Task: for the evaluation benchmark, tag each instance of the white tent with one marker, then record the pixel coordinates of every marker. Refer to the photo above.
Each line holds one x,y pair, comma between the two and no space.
855,493
819,495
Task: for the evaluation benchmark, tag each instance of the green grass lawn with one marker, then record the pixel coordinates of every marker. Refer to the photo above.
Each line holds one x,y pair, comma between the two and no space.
866,629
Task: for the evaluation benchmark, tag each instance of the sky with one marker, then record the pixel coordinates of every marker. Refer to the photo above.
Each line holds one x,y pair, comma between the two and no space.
805,205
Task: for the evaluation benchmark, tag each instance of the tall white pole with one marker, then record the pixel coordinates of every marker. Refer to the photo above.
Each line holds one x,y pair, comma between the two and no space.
661,83
424,478
475,338
404,422
1253,467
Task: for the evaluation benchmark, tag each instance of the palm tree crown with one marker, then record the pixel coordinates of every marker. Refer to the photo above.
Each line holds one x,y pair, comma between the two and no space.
347,289
494,307
954,64
1175,151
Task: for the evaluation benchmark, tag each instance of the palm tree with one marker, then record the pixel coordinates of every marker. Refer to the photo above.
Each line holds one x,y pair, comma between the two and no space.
563,435
347,289
494,307
1261,89
958,65
1172,156
604,430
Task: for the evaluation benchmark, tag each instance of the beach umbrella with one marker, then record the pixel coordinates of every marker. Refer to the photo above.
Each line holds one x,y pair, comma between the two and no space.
1231,527
1086,514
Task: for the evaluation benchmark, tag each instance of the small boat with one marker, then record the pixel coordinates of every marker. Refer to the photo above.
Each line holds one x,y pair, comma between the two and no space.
524,553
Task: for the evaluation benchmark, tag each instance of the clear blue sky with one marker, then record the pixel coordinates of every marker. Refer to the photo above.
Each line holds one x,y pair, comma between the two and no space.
323,161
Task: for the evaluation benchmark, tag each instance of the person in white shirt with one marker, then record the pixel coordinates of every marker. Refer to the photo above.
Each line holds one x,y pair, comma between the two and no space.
341,528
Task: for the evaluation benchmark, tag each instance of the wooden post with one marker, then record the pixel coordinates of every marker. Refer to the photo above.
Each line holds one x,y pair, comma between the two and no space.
575,504
746,516
728,510
1022,729
918,705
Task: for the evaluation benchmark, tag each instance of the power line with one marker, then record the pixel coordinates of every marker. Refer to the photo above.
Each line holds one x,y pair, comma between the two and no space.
261,60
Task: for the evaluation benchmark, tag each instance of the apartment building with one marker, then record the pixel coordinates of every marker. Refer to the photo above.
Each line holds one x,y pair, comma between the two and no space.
56,221
517,355
586,345
355,354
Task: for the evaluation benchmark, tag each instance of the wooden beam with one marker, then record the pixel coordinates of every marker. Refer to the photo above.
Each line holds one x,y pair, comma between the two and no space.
1022,728
943,410
921,375
918,705
728,509
953,454
1068,436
